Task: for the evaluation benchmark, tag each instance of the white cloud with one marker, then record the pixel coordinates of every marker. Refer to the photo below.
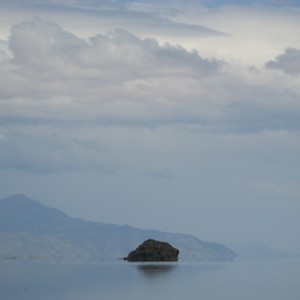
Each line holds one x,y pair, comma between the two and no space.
59,61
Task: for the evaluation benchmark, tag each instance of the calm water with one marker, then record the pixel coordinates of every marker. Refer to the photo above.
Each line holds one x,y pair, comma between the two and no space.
178,281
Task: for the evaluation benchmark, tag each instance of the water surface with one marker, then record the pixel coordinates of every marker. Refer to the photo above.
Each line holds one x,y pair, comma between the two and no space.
136,281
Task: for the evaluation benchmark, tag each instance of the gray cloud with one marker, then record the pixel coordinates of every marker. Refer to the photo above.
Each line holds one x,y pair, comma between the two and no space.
288,62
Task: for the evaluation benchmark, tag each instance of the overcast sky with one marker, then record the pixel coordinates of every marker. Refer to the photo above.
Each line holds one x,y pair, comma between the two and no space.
182,116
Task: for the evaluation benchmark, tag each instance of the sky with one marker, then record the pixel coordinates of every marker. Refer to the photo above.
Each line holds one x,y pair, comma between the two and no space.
181,116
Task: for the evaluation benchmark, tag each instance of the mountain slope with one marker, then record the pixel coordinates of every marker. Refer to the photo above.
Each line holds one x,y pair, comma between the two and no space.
29,229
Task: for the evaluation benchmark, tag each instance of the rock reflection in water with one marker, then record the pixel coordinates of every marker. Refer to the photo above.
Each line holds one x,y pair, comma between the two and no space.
155,269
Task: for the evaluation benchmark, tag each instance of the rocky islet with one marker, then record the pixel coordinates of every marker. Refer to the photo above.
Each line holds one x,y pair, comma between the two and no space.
153,251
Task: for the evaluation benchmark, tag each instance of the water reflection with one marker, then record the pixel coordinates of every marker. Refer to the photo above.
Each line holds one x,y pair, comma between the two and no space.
148,281
156,269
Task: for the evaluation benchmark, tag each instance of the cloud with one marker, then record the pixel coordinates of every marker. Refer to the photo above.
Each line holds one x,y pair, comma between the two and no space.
162,173
52,78
87,16
288,62
44,153
38,43
121,76
251,2
59,61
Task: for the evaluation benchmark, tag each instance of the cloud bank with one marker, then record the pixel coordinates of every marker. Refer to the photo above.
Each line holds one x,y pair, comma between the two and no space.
57,79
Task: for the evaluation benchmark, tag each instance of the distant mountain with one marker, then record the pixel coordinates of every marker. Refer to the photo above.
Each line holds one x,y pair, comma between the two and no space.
30,230
254,251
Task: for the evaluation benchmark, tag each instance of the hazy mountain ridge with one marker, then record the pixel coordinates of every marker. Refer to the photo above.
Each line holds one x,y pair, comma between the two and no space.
30,230
254,251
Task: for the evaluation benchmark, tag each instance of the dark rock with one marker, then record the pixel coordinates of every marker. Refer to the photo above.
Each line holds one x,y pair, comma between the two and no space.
152,250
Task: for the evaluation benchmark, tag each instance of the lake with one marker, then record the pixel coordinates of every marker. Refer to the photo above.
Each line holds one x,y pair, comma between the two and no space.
135,281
